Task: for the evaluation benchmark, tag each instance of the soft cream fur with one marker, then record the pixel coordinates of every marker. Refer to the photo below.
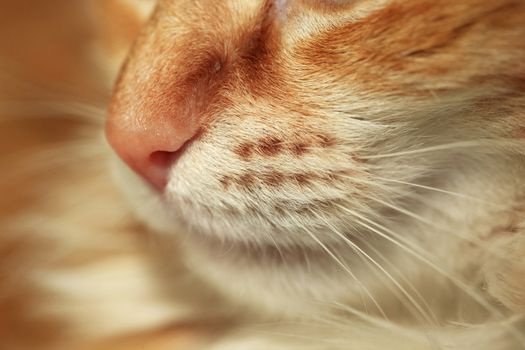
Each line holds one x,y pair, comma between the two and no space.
398,225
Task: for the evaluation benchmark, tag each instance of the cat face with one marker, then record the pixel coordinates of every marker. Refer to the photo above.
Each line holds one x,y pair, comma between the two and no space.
295,124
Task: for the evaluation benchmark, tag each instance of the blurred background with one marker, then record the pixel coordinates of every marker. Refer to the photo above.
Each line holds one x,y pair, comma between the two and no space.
48,74
58,59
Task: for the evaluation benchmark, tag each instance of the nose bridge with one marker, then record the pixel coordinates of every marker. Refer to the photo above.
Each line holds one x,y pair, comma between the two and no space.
146,97
156,107
166,86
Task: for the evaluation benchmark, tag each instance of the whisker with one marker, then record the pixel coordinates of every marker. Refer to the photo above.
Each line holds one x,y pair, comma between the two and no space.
473,240
435,189
411,249
341,324
418,253
58,155
486,144
405,280
12,74
377,322
76,111
380,268
345,268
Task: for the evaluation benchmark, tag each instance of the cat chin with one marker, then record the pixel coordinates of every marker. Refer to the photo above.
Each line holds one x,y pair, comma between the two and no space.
190,209
292,280
270,288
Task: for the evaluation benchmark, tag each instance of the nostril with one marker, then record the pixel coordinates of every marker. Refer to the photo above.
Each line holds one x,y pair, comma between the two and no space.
150,150
165,159
160,163
162,159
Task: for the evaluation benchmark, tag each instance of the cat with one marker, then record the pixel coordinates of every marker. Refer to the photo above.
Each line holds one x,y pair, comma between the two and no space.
302,174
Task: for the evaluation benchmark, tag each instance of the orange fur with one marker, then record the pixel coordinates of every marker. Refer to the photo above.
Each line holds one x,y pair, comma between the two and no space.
291,105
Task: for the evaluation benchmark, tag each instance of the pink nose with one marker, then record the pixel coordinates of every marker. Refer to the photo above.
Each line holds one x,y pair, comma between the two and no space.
149,146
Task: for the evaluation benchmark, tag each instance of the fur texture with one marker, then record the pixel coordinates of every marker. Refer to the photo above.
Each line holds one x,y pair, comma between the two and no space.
351,178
